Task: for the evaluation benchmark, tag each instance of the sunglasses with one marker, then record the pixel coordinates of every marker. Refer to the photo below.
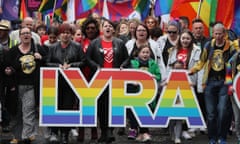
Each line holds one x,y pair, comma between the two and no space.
172,32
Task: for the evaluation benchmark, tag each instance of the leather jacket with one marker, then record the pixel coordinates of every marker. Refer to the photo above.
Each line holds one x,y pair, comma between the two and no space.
95,53
72,54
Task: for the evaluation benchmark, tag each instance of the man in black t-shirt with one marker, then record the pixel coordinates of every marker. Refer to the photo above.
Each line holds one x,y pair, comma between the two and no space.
214,60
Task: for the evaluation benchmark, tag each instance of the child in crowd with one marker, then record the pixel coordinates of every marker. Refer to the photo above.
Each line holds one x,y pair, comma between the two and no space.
145,62
175,126
183,56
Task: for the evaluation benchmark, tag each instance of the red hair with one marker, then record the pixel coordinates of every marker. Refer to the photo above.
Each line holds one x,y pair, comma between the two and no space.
65,27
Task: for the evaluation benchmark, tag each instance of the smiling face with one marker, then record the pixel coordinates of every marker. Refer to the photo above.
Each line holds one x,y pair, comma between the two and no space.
41,31
185,39
28,22
25,35
52,38
151,23
144,53
123,29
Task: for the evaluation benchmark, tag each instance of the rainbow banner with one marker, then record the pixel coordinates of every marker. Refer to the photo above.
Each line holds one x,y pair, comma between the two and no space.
48,100
119,99
178,101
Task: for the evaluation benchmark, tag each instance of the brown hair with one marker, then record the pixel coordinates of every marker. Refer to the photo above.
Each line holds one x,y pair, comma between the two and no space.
143,25
190,47
142,47
65,27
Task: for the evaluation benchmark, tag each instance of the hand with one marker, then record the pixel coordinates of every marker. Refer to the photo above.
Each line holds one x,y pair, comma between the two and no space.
66,66
191,84
8,71
37,55
121,67
190,72
203,86
153,76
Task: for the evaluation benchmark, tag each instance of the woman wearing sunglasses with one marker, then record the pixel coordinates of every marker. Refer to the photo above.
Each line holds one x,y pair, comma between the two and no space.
169,39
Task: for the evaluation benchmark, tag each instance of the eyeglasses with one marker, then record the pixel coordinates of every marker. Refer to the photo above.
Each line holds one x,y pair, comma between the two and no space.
172,32
141,30
25,33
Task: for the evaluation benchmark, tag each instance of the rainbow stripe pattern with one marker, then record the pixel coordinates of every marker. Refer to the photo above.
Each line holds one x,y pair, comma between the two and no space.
186,107
48,100
119,99
138,102
84,5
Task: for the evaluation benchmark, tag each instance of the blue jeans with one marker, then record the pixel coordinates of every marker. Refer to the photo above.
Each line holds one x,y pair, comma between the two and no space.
217,106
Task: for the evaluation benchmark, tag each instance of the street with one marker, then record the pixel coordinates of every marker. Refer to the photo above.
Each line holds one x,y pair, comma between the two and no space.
159,136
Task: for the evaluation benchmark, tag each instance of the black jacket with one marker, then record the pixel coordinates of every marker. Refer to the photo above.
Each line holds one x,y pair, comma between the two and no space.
96,57
73,55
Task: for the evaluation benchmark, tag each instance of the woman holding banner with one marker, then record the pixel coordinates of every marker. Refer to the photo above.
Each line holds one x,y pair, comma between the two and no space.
106,52
65,54
183,56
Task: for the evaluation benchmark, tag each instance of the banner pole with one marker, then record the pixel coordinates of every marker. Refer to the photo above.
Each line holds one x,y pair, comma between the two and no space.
54,7
199,8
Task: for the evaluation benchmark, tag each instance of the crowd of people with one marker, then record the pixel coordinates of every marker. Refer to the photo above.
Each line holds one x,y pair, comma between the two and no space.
100,43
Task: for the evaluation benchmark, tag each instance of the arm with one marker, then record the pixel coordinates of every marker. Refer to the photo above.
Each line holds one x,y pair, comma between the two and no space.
199,65
49,57
90,56
81,60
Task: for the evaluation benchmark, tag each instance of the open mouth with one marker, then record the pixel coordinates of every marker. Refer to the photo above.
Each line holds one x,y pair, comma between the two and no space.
26,38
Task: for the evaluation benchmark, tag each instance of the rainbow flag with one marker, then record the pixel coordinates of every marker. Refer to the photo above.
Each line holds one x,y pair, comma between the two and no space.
236,18
61,8
162,7
211,11
23,10
116,9
47,6
190,9
82,6
142,6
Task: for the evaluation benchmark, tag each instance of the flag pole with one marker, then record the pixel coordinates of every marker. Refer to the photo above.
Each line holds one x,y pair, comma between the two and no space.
152,8
54,8
199,8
